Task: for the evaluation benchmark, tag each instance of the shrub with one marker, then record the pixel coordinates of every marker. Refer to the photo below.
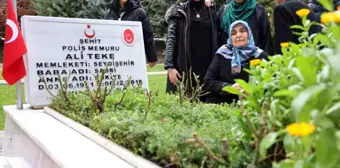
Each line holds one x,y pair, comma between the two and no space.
163,131
95,9
302,92
59,8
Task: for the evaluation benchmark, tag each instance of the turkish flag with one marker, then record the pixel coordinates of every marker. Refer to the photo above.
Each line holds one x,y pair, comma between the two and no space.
13,68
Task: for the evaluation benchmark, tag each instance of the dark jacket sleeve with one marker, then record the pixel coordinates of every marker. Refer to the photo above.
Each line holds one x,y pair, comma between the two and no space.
315,28
170,44
211,82
149,43
264,55
221,35
282,22
265,32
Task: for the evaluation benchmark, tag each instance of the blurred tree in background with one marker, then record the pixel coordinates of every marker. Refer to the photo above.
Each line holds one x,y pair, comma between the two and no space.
23,8
94,9
59,8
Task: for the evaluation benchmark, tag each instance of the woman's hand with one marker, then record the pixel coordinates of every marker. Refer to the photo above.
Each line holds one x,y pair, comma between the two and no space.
173,75
152,64
238,86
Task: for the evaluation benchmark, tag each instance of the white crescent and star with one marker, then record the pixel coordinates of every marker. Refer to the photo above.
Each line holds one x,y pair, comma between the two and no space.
15,30
90,35
128,38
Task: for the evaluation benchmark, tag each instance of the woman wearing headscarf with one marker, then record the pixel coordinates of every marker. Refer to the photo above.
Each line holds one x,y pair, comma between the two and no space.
131,10
252,13
191,41
229,62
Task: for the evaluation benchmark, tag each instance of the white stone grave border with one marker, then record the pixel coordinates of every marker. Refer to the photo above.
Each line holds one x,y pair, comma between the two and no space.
112,147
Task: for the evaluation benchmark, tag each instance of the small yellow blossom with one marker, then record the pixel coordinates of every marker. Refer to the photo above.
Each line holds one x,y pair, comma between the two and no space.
285,44
300,129
337,16
255,62
327,17
303,12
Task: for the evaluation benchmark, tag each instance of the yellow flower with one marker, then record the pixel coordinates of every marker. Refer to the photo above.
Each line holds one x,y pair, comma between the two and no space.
327,17
285,44
303,12
255,62
300,129
337,16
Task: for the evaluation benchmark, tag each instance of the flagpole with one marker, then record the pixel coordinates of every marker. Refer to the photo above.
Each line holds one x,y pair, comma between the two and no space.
18,84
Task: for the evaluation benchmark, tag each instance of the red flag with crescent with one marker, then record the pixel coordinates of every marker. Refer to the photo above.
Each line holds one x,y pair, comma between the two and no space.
13,68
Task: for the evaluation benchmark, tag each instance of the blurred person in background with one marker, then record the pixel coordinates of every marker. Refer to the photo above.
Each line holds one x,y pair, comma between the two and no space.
254,14
285,16
131,10
191,41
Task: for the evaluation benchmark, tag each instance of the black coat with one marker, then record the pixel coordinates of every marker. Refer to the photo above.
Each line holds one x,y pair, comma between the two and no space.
178,42
219,75
284,17
318,9
259,25
133,11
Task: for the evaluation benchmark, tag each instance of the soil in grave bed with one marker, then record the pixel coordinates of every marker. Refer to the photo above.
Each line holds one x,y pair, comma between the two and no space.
165,131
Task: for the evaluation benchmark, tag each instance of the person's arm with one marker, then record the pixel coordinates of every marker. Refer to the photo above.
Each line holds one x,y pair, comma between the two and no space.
264,55
149,43
283,33
170,44
211,82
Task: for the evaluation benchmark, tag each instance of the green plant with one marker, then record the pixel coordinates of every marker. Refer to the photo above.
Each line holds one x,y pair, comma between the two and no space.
302,88
157,127
316,101
189,87
63,85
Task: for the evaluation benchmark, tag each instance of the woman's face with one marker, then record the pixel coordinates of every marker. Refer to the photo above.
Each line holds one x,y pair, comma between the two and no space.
239,36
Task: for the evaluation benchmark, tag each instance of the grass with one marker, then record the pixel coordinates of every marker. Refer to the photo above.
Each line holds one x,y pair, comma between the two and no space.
7,97
1,75
157,68
157,82
8,93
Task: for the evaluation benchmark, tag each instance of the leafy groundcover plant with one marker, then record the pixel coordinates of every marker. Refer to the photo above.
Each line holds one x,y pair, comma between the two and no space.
163,130
289,119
